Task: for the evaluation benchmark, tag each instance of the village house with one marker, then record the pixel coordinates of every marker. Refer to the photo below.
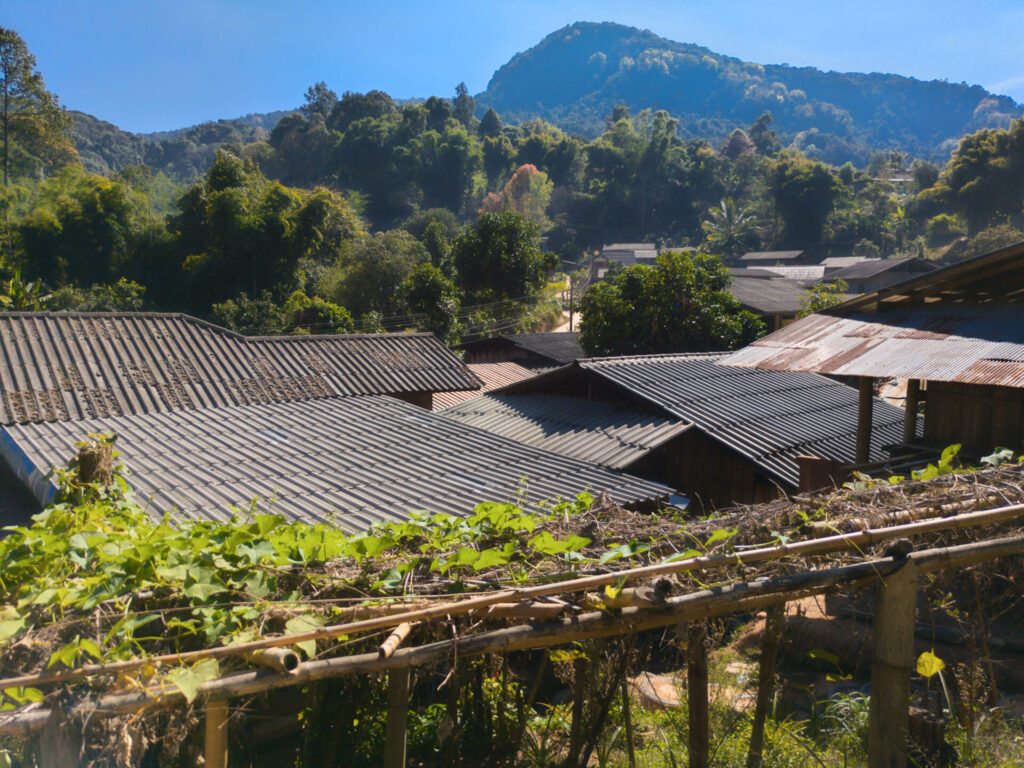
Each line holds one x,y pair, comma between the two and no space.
316,428
955,334
874,275
716,435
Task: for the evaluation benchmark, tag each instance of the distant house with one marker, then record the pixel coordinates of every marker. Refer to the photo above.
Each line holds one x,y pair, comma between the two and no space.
776,300
311,427
719,436
956,334
806,275
624,254
773,258
870,276
526,349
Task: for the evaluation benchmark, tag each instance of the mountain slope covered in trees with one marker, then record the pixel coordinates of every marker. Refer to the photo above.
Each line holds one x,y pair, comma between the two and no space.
575,76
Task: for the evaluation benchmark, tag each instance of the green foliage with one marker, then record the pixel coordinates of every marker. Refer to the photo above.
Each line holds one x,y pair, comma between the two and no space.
729,231
499,258
427,290
34,130
822,296
804,193
682,304
123,296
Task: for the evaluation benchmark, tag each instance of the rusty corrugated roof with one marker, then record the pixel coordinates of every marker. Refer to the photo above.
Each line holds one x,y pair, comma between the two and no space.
975,344
59,366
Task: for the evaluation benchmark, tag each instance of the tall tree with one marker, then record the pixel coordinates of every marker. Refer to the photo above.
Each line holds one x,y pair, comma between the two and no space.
681,304
463,106
29,114
729,230
500,258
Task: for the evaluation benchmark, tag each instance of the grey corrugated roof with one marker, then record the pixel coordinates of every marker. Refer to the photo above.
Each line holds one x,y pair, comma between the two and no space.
771,417
865,269
491,376
349,461
59,366
611,435
559,347
775,296
770,255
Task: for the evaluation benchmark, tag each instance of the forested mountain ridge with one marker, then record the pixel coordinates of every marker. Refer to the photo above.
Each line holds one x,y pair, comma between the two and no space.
575,76
184,154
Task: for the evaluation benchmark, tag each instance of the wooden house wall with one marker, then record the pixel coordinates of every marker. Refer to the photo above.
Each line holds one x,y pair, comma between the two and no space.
977,416
710,474
500,351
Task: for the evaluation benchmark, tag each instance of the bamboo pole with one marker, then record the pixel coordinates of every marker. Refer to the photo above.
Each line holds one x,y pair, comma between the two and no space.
216,748
889,714
395,639
765,683
717,601
697,693
396,727
839,542
627,717
278,659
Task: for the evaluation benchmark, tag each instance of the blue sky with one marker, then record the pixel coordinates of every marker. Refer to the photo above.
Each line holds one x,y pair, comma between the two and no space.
151,65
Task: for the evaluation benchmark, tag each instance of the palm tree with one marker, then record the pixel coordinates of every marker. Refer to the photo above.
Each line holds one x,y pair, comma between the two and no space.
729,230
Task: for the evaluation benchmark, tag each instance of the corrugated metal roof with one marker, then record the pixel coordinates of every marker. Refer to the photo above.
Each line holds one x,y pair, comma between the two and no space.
492,376
557,346
975,344
347,461
806,274
611,435
58,366
771,255
771,417
767,297
864,269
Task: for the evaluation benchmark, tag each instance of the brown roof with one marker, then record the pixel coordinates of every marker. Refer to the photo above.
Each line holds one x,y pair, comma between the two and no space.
492,376
59,366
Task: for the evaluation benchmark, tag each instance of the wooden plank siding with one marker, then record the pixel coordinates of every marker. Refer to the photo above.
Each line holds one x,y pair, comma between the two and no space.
710,474
980,417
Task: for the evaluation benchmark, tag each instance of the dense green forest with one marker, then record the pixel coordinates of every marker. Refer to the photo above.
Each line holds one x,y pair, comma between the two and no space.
361,213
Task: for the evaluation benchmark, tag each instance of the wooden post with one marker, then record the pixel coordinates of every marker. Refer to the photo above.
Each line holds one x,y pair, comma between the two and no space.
96,463
579,690
765,683
910,410
627,716
697,692
397,719
217,734
60,741
866,403
888,716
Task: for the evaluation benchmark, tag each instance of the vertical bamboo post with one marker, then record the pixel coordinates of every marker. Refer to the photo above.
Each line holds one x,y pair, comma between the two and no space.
765,683
397,718
628,717
579,690
889,713
217,734
697,692
865,406
910,410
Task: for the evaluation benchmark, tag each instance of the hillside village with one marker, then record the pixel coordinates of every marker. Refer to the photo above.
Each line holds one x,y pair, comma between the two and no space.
407,433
